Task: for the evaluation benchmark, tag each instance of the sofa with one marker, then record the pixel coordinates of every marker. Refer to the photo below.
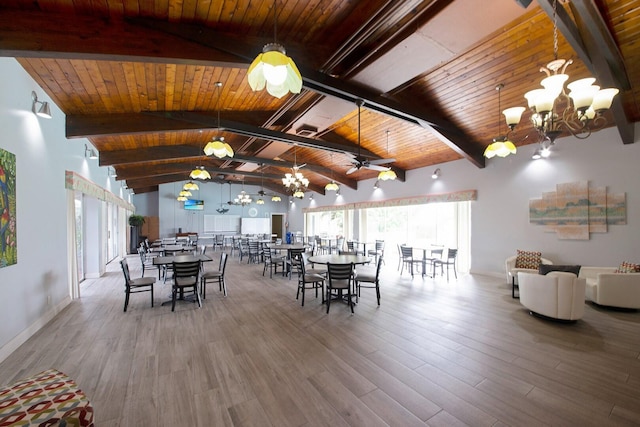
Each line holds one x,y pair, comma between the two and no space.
512,271
606,287
556,295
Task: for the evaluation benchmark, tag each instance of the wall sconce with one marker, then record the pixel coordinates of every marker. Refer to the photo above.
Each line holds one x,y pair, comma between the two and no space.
376,185
310,196
90,153
436,174
43,111
112,172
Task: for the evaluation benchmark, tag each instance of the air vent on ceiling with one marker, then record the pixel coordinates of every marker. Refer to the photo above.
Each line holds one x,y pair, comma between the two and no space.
306,130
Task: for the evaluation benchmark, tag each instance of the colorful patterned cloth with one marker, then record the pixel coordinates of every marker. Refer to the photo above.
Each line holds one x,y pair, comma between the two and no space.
49,398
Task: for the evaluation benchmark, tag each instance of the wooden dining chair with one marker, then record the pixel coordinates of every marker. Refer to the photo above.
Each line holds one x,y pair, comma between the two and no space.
186,277
133,286
215,275
340,278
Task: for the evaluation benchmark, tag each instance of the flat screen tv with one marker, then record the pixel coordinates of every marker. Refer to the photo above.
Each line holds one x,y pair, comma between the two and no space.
194,205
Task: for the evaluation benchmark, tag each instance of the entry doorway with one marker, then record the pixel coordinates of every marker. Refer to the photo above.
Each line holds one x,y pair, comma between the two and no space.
277,225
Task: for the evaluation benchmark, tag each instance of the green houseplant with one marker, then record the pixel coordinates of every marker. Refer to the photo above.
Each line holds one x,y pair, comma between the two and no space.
135,221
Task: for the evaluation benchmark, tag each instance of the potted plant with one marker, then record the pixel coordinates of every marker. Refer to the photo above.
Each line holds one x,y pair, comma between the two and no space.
135,221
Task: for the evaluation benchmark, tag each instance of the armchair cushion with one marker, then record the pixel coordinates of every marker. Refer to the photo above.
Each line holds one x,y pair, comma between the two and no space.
528,259
547,268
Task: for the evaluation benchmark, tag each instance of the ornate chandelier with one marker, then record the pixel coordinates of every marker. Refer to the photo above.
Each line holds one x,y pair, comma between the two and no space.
585,103
501,146
295,182
242,199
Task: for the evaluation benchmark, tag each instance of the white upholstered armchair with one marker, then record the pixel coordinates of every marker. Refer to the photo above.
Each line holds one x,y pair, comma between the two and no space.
558,294
512,271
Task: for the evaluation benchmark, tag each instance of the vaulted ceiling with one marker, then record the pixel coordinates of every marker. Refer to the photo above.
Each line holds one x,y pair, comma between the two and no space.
138,79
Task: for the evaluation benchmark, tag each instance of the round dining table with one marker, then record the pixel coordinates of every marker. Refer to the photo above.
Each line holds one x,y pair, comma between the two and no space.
339,259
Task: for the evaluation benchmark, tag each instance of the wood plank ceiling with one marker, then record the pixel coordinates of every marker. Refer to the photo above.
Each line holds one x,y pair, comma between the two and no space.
137,78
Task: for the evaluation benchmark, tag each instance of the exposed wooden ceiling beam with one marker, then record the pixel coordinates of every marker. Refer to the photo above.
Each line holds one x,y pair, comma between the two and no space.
448,132
171,152
172,172
592,41
89,126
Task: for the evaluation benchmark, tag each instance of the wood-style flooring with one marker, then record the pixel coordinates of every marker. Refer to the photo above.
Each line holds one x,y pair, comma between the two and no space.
433,353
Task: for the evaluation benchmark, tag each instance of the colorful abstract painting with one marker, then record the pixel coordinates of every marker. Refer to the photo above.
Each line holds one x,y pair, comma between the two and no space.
576,209
8,240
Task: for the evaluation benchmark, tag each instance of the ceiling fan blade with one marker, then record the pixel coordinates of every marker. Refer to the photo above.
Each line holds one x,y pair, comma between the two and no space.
302,165
381,161
377,168
352,170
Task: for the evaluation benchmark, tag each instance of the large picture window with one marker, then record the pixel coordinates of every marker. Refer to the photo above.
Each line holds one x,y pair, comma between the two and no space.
419,222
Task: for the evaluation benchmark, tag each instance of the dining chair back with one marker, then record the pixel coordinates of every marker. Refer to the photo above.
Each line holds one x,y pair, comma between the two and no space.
340,278
449,262
272,261
186,277
408,260
367,277
146,261
215,275
306,278
292,260
133,286
254,251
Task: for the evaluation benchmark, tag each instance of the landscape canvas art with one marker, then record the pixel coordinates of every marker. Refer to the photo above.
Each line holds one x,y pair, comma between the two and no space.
8,241
576,209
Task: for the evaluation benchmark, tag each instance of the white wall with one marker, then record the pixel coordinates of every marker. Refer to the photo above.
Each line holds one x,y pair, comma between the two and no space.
173,216
35,288
500,216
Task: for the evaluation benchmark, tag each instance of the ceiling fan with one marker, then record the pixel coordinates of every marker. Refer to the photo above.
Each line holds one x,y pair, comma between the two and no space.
360,161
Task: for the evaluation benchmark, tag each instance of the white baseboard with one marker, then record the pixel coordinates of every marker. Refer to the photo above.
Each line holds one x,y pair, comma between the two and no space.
23,336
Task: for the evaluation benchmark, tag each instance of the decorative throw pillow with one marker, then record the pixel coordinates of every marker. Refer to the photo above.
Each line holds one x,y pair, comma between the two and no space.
628,267
547,268
528,259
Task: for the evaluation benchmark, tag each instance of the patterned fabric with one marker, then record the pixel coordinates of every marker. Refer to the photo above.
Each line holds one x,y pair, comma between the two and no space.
49,398
628,267
528,259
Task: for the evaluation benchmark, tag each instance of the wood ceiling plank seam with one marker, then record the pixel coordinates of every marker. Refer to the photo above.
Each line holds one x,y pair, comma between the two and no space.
104,79
189,8
254,12
168,84
153,96
304,13
174,11
214,13
120,84
142,90
201,13
131,7
132,85
76,86
95,104
199,85
181,88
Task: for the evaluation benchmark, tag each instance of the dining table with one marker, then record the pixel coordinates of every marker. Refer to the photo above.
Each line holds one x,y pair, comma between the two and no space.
164,261
340,259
